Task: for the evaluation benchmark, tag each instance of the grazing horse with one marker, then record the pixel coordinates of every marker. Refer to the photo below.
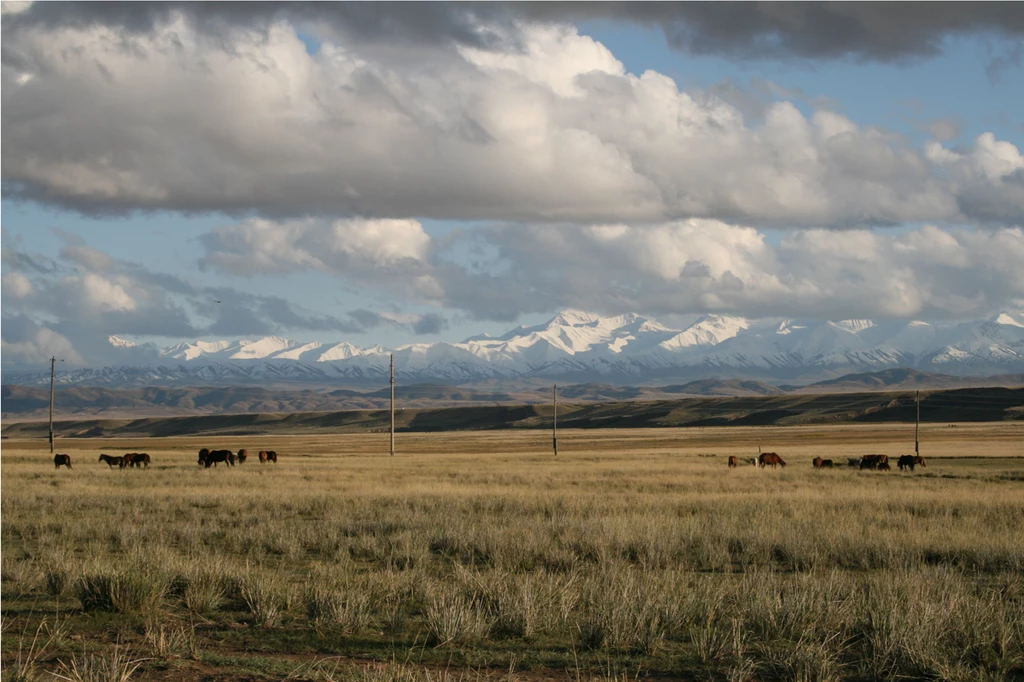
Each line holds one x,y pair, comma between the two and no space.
112,461
874,462
268,456
242,456
203,454
58,460
215,456
910,461
733,462
827,464
853,462
770,459
817,462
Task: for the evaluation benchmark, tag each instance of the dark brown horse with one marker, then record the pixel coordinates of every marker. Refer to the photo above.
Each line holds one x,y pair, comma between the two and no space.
215,456
817,462
58,460
268,456
827,464
137,459
203,454
874,462
733,462
909,462
112,461
770,459
242,456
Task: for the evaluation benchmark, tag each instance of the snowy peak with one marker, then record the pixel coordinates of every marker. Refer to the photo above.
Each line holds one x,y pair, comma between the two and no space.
853,326
591,347
573,318
266,347
118,342
710,330
1007,319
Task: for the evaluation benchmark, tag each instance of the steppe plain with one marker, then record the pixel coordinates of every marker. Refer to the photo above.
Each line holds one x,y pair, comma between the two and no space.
635,553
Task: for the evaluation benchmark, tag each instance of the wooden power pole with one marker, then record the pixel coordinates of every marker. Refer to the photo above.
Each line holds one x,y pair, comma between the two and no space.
917,425
554,419
53,362
392,404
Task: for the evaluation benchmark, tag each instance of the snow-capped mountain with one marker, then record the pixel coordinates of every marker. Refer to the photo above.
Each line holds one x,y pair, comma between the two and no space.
581,347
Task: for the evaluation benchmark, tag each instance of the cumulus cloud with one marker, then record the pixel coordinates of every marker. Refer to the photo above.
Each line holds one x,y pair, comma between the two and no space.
701,265
88,296
538,124
30,343
362,249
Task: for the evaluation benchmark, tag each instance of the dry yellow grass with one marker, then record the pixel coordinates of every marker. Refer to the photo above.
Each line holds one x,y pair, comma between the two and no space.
635,547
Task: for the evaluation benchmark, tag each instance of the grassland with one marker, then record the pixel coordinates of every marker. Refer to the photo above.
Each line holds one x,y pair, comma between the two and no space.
478,555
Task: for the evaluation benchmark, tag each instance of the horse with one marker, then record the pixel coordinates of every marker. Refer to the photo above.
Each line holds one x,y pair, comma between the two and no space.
817,462
770,459
112,461
874,462
138,459
268,456
827,464
216,456
733,462
58,460
853,462
203,454
242,456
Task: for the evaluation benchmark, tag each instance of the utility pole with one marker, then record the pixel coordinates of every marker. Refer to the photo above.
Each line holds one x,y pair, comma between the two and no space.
53,362
917,425
554,419
392,404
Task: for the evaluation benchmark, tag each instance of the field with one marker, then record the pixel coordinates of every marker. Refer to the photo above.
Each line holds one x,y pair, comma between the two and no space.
633,554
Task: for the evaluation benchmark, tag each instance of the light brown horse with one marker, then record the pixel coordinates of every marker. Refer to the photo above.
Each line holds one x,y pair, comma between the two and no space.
770,459
733,461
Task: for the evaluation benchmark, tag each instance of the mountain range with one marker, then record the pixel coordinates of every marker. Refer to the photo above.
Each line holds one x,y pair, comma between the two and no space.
580,347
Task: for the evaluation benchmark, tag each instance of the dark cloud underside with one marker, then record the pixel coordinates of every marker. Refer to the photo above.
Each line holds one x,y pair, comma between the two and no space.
882,31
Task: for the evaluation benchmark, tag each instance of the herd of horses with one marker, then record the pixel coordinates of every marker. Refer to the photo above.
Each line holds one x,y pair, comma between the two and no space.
867,462
128,460
142,460
208,458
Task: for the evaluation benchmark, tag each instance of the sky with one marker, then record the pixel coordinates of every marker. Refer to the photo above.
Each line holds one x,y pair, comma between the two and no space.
417,172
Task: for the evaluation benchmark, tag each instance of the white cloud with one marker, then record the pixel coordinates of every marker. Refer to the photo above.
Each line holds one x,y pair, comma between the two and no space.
29,343
553,129
98,293
16,285
695,265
